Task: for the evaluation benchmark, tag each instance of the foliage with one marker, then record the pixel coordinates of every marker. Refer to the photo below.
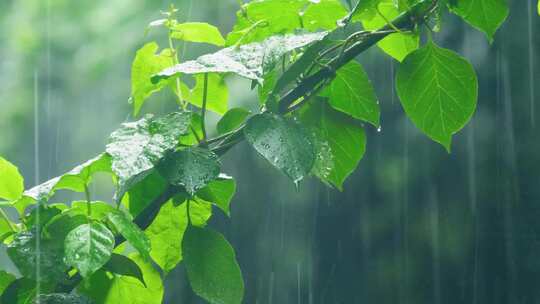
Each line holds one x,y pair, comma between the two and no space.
315,102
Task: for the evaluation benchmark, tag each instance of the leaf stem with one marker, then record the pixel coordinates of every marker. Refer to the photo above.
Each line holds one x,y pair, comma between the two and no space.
203,111
176,60
187,211
88,200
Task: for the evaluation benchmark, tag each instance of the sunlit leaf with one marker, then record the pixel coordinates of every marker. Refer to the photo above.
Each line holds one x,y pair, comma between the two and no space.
122,222
341,142
11,181
219,192
211,266
217,93
145,64
167,230
197,32
351,92
122,265
397,45
191,168
88,247
5,280
323,15
438,90
250,61
107,288
283,142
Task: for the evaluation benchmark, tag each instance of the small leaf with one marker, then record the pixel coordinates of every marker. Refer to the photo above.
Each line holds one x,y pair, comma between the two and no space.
145,64
167,230
342,142
217,93
197,32
99,209
397,45
88,247
104,288
259,20
136,146
133,234
26,255
11,181
323,15
438,90
192,168
251,61
122,265
220,192
283,142
233,119
211,266
351,92
485,15
5,280
195,131
142,193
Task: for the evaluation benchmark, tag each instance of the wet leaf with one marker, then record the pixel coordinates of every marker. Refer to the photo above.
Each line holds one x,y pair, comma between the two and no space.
191,168
233,119
283,142
61,298
88,247
141,194
137,146
197,32
23,291
25,254
5,280
251,61
211,266
351,92
323,15
122,222
341,142
105,288
11,181
485,15
167,230
438,90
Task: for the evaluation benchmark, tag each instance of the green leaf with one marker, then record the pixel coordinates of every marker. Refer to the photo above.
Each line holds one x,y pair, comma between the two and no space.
122,222
251,61
145,64
365,10
11,181
46,213
197,32
167,231
397,45
268,85
195,131
259,20
211,266
323,15
341,142
106,288
88,247
75,180
25,254
232,120
141,194
122,265
438,90
220,192
5,280
99,209
351,92
217,93
23,291
192,168
283,142
485,15
136,146
61,298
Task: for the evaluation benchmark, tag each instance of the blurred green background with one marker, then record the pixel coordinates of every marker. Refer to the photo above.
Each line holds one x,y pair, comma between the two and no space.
413,225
